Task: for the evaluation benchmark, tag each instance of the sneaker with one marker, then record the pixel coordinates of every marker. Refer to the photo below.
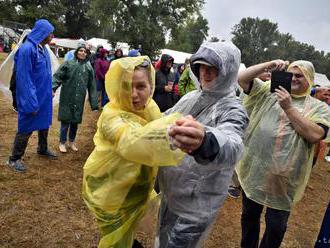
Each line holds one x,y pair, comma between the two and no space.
16,165
234,192
49,154
62,148
73,146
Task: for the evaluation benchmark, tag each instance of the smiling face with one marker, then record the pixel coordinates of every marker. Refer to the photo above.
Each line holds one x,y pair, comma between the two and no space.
141,89
207,75
82,53
299,84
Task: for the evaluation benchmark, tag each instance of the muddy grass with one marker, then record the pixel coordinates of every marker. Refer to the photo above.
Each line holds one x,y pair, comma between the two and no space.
43,207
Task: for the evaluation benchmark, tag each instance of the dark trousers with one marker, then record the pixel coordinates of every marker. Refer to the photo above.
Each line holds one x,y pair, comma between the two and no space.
323,239
13,94
21,141
276,223
65,127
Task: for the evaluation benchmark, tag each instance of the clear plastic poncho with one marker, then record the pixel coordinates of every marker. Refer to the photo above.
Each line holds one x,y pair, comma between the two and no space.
195,191
277,161
129,146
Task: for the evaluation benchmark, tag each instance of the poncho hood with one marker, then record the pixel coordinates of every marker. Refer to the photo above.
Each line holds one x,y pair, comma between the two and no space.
42,28
307,68
118,83
226,57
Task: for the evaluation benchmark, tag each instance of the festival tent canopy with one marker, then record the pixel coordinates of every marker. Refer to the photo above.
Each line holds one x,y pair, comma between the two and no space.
94,42
321,79
179,57
67,43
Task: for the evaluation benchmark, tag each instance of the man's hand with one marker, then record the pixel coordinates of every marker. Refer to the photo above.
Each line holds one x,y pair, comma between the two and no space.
283,98
187,134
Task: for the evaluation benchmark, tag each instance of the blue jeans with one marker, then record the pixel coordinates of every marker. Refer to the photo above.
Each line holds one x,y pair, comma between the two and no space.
72,127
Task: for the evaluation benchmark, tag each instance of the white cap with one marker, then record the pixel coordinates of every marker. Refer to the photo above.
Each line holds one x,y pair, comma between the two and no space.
202,62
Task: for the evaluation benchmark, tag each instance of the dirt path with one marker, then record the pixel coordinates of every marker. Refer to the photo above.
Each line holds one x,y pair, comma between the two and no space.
43,207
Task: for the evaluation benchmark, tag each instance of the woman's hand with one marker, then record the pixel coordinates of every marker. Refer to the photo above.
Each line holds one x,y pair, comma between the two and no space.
283,98
187,134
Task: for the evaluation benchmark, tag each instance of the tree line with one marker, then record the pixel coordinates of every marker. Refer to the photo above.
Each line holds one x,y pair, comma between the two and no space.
156,24
260,40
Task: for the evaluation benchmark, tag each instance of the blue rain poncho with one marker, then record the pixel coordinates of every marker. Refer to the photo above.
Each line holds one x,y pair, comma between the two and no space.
129,146
194,191
34,81
277,161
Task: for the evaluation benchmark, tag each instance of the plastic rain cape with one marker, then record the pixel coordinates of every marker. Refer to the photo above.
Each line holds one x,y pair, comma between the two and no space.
277,161
195,191
129,146
6,68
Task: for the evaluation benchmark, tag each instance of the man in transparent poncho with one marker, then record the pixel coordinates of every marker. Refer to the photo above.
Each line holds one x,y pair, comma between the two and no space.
279,148
194,191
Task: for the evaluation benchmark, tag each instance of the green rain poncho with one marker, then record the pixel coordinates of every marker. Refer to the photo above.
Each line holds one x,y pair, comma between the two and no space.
76,77
129,146
277,161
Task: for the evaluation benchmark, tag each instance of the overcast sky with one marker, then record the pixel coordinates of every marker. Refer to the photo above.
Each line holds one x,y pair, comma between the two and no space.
307,21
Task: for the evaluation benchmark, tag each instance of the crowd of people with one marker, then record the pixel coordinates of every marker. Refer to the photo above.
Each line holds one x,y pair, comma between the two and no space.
183,133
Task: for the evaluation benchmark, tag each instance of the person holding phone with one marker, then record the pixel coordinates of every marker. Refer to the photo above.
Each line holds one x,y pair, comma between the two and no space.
164,83
279,146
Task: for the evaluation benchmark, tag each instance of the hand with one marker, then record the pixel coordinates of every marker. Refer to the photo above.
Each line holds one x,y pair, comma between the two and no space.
187,134
283,98
277,65
168,88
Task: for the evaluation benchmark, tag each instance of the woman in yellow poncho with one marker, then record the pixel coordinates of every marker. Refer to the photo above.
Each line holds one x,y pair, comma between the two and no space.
279,147
130,143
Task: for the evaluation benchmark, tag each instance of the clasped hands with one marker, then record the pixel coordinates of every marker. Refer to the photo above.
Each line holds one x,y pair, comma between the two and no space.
187,134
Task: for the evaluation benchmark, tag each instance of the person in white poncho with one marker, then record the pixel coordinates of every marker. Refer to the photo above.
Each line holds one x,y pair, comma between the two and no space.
194,191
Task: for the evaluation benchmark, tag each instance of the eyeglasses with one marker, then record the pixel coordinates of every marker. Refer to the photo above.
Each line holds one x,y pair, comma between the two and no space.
298,75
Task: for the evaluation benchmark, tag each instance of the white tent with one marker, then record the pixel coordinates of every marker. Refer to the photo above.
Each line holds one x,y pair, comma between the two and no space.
67,43
179,57
94,42
321,80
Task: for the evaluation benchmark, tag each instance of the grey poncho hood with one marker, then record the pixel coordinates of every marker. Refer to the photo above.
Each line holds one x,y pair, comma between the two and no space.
226,57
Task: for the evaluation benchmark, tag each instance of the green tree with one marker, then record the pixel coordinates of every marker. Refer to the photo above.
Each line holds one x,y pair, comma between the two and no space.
255,37
141,22
189,36
28,11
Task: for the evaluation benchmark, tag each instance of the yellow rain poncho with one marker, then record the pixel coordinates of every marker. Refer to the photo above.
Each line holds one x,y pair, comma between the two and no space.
277,161
129,146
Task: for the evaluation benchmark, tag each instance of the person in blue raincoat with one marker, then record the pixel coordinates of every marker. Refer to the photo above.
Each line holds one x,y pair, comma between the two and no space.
33,92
